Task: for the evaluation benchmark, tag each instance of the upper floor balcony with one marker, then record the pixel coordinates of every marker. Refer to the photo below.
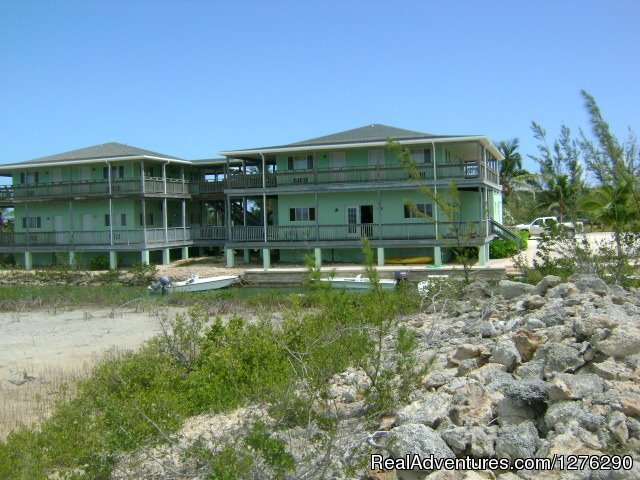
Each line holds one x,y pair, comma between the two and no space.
464,172
151,186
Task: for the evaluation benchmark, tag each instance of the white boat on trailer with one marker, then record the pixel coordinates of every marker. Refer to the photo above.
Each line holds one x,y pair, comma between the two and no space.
359,283
193,284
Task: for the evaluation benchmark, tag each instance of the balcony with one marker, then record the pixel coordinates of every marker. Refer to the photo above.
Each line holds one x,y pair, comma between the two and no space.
468,170
154,237
153,186
331,233
6,195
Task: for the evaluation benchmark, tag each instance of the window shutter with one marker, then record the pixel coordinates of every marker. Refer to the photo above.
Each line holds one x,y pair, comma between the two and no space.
292,214
290,163
24,222
312,214
407,211
107,220
39,222
310,162
22,178
123,219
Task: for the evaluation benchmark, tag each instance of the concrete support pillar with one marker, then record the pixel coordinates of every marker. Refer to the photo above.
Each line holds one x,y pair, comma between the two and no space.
380,257
318,254
72,257
246,256
266,258
166,258
28,260
185,253
113,260
437,256
483,254
231,257
144,257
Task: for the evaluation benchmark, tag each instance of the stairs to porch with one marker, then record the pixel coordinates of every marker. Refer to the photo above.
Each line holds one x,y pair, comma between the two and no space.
503,232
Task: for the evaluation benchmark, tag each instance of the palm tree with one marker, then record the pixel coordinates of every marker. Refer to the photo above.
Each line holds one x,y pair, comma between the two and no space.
511,167
559,195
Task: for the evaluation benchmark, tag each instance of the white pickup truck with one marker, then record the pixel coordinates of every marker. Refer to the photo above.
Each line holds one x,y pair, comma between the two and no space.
541,223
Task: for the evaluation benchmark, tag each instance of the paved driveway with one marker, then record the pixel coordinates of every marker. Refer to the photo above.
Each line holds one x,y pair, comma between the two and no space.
532,248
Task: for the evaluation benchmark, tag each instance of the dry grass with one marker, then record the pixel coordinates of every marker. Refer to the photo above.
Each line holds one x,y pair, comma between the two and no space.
34,401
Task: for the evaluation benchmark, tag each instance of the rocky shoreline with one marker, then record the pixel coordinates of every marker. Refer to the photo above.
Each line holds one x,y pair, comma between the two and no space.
518,371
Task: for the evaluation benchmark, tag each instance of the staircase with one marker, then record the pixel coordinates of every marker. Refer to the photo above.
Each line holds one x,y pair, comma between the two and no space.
503,232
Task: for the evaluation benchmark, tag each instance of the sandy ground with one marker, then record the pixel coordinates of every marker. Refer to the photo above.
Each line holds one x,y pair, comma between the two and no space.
56,348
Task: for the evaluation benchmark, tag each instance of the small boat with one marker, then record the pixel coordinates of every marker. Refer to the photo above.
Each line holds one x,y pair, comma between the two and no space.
359,283
407,260
193,284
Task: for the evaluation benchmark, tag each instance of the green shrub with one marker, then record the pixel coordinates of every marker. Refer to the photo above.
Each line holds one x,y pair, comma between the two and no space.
99,262
500,248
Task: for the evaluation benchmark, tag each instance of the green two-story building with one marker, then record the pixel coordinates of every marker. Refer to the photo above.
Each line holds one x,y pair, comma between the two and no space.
319,196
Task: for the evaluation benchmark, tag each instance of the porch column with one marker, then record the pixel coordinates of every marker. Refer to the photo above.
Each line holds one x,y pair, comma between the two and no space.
380,257
144,257
144,222
483,254
166,258
71,222
71,258
113,260
184,220
246,255
266,258
164,219
28,260
185,253
231,257
437,256
318,254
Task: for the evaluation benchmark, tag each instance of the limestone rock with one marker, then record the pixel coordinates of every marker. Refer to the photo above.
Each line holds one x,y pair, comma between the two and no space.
589,283
505,353
429,411
618,426
570,411
545,284
587,326
558,358
565,386
534,302
437,379
527,343
417,439
510,290
517,441
623,341
563,290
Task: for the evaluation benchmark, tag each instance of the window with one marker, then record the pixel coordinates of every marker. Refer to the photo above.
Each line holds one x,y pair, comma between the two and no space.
148,171
31,222
300,162
302,214
30,178
123,219
447,156
422,156
117,171
107,220
149,219
424,209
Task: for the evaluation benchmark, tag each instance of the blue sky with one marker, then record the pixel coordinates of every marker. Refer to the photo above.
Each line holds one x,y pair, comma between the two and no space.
192,78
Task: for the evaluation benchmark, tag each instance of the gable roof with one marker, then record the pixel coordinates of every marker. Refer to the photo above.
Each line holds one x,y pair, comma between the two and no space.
104,151
369,134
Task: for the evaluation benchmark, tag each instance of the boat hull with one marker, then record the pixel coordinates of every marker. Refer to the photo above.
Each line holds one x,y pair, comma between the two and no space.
202,284
408,261
349,283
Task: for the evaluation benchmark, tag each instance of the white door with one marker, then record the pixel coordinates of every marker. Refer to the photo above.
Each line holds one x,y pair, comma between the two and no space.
58,227
353,221
376,159
338,167
86,223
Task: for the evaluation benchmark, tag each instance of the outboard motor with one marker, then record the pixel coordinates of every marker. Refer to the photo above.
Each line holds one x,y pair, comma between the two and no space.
160,284
400,277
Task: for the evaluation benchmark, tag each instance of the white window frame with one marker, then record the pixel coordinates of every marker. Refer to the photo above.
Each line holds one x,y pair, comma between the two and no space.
419,207
302,214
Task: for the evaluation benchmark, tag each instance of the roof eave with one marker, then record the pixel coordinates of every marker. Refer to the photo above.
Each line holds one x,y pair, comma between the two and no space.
15,166
378,143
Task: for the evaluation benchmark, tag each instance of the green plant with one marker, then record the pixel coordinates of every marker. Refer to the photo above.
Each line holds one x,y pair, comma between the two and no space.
99,262
143,273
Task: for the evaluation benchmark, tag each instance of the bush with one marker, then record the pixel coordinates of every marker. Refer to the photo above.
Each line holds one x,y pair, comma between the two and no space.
499,248
99,262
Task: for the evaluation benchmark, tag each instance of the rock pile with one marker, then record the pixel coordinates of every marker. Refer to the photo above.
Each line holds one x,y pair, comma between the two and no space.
519,371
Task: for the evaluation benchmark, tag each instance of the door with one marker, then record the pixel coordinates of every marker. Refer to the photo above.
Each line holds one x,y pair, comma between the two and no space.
353,221
360,221
58,227
56,175
376,163
537,227
338,167
86,227
85,174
